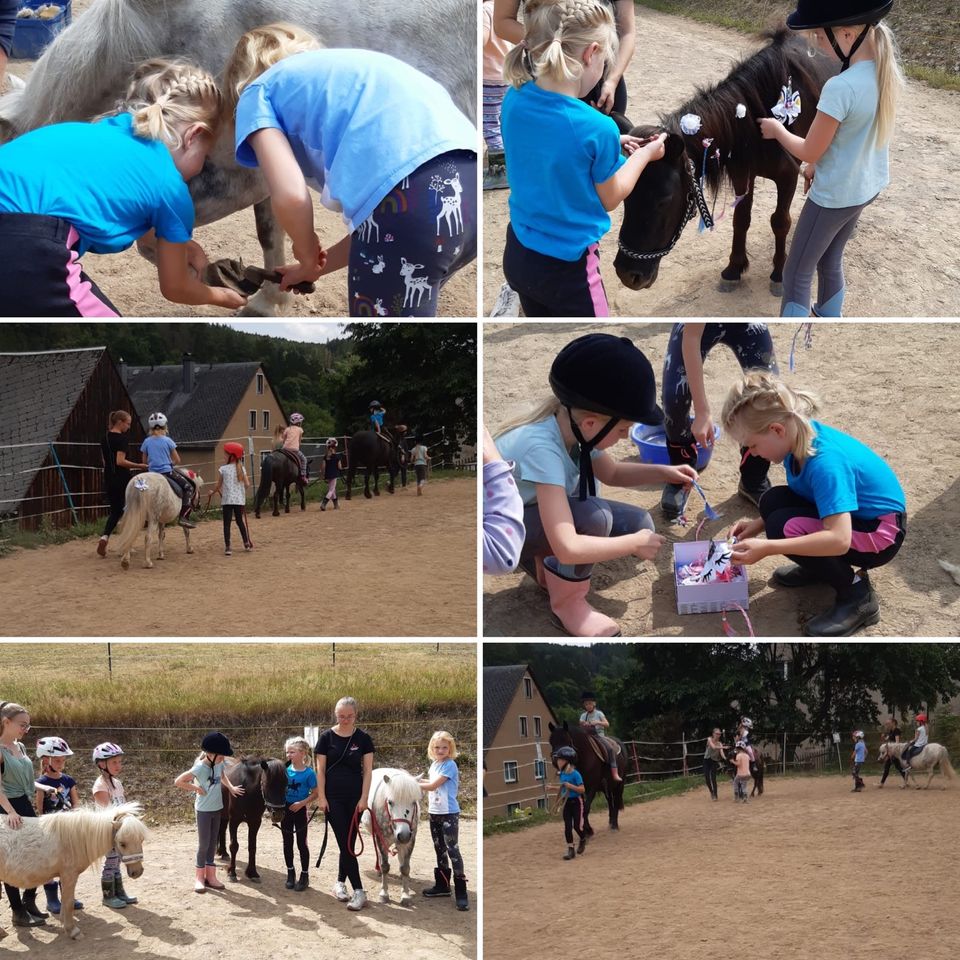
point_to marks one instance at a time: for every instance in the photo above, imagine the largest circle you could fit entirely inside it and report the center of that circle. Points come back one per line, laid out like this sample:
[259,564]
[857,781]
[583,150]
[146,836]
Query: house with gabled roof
[55,405]
[516,742]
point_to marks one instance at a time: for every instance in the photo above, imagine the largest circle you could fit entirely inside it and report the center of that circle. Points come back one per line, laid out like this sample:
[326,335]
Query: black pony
[595,772]
[366,451]
[668,193]
[281,471]
[756,768]
[265,788]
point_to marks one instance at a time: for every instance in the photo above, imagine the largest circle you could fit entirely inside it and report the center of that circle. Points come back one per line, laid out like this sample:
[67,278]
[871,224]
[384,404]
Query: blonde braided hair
[557,31]
[760,399]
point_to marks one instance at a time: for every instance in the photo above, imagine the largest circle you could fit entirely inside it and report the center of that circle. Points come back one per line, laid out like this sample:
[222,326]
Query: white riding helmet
[741,744]
[53,747]
[156,420]
[104,751]
[857,734]
[296,418]
[746,722]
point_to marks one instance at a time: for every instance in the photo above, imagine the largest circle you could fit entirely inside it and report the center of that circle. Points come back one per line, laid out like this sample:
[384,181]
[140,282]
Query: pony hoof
[255,878]
[125,563]
[728,286]
[384,898]
[76,934]
[232,877]
[776,288]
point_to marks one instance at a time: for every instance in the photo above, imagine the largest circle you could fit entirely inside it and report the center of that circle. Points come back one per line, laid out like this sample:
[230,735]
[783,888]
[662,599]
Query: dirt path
[893,386]
[902,262]
[265,920]
[131,282]
[803,873]
[364,570]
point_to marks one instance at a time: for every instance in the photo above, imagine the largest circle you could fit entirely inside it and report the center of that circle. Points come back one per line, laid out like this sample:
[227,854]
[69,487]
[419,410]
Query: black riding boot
[460,891]
[582,845]
[291,878]
[336,503]
[674,498]
[441,885]
[303,882]
[860,608]
[753,477]
[30,905]
[570,854]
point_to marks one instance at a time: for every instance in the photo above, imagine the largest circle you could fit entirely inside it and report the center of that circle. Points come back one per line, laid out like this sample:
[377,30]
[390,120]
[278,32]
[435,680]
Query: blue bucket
[652,445]
[32,36]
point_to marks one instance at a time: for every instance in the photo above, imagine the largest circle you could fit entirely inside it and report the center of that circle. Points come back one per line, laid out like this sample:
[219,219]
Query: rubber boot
[120,892]
[110,899]
[860,608]
[323,504]
[210,878]
[291,878]
[30,905]
[460,892]
[832,307]
[336,503]
[794,309]
[572,613]
[23,919]
[570,854]
[303,882]
[441,884]
[52,890]
[200,880]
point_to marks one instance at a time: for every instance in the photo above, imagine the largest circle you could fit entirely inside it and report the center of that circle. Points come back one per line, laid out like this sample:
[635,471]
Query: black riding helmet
[607,375]
[216,743]
[811,14]
[565,753]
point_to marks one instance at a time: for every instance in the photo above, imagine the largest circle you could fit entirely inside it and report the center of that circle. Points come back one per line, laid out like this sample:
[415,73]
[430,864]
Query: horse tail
[266,478]
[947,767]
[134,516]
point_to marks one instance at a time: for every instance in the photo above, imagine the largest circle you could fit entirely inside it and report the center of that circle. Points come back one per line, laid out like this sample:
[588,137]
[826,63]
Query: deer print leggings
[422,233]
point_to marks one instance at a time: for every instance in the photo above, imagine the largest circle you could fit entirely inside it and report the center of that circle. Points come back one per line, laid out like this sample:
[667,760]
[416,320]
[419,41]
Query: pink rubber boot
[572,613]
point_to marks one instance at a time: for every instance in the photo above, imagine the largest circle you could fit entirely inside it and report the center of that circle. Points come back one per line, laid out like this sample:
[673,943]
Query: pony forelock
[402,788]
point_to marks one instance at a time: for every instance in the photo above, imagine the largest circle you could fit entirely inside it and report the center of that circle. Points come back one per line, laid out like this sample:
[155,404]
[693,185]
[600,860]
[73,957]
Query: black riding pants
[117,498]
[710,775]
[891,762]
[295,824]
[186,487]
[339,816]
[238,513]
[573,817]
[24,807]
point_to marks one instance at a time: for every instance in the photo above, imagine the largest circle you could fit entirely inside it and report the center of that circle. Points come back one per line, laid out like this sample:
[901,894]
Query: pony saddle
[244,280]
[597,747]
[291,455]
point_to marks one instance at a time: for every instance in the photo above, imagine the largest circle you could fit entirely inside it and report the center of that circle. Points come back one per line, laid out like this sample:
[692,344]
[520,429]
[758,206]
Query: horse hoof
[369,496]
[76,934]
[125,563]
[728,286]
[254,879]
[776,288]
[384,898]
[189,549]
[232,877]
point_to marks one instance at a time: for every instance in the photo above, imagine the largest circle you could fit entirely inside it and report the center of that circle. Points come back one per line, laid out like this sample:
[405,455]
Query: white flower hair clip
[690,124]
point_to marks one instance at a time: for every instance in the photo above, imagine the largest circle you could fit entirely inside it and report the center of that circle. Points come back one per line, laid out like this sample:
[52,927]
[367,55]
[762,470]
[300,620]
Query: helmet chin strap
[588,486]
[845,57]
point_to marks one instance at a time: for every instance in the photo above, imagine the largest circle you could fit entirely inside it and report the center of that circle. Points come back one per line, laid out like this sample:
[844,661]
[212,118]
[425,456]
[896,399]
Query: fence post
[783,765]
[109,660]
[546,798]
[683,738]
[63,480]
[636,762]
[253,463]
[334,653]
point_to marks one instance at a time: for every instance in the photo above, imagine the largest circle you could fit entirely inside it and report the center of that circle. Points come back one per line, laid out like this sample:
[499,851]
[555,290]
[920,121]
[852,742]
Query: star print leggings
[752,346]
[422,233]
[445,831]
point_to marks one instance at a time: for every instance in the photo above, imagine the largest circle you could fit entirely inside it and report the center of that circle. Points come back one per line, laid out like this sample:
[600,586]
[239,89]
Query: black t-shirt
[893,735]
[344,773]
[331,466]
[111,444]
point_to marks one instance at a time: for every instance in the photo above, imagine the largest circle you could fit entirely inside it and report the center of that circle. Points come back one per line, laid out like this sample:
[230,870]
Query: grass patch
[934,76]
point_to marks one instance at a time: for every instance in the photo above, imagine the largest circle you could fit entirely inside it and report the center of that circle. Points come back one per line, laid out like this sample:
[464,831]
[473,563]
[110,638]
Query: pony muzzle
[134,864]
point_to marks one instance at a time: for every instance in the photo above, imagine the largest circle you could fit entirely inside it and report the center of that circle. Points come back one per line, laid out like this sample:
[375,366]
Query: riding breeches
[208,832]
[295,824]
[574,814]
[445,831]
[117,498]
[710,775]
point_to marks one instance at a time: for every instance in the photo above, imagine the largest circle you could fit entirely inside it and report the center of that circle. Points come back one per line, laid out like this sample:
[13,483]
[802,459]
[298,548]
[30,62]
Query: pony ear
[565,727]
[674,147]
[550,726]
[265,765]
[386,778]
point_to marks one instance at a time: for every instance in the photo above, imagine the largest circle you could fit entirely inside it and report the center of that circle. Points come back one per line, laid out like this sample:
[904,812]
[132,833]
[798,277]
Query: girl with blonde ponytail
[842,512]
[72,187]
[846,148]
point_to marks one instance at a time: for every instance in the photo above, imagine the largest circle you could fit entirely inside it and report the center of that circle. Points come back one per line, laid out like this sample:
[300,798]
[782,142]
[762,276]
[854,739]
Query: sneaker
[228,552]
[248,546]
[508,302]
[340,892]
[189,524]
[358,901]
[102,547]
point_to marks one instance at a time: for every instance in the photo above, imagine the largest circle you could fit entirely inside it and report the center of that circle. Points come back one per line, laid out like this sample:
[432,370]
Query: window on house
[253,421]
[537,729]
[528,688]
[266,421]
[541,804]
[512,809]
[523,726]
[539,769]
[510,771]
[259,383]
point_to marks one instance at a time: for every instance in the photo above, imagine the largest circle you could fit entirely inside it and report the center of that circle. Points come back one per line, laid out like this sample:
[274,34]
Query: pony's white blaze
[64,844]
[926,761]
[394,802]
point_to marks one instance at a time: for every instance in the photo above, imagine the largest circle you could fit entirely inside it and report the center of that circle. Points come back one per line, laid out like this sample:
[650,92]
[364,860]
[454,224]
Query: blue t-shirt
[112,186]
[377,418]
[300,783]
[571,776]
[854,169]
[209,778]
[860,752]
[158,448]
[444,798]
[358,122]
[557,150]
[845,476]
[52,802]
[539,456]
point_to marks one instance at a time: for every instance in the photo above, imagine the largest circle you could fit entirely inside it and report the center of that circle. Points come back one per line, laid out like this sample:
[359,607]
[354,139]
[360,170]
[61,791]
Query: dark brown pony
[367,452]
[595,772]
[265,788]
[668,193]
[756,769]
[279,471]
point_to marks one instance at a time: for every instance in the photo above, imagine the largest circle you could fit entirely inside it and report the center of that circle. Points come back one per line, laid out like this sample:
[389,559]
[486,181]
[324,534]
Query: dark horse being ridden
[668,194]
[366,451]
[756,768]
[265,787]
[279,470]
[595,772]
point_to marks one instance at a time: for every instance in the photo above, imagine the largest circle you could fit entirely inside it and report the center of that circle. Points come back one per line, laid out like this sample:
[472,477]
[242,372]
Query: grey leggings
[818,242]
[208,830]
[445,831]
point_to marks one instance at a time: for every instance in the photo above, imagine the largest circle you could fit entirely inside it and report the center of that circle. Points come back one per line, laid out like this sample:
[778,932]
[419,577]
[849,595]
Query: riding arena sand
[892,386]
[398,565]
[808,871]
[249,921]
[900,263]
[130,281]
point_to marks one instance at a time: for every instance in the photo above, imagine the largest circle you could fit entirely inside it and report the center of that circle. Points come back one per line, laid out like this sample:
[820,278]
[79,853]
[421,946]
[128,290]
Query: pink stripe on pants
[598,295]
[80,290]
[862,541]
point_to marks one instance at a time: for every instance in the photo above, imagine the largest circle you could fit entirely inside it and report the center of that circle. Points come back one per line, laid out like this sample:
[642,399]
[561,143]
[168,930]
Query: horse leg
[234,847]
[587,803]
[384,895]
[269,301]
[404,857]
[68,887]
[222,837]
[253,828]
[351,470]
[161,540]
[366,484]
[780,223]
[147,562]
[303,495]
[286,498]
[376,481]
[276,499]
[737,266]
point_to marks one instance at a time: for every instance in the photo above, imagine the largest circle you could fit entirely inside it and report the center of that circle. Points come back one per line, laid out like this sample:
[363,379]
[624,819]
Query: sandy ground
[899,264]
[363,570]
[806,872]
[893,386]
[248,921]
[131,282]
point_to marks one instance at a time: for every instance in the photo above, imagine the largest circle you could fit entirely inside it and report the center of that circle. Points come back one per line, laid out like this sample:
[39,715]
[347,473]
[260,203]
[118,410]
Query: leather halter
[695,200]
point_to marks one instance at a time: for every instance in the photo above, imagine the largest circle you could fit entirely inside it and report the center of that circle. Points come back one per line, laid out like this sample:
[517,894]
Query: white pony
[394,802]
[64,844]
[924,762]
[150,503]
[86,70]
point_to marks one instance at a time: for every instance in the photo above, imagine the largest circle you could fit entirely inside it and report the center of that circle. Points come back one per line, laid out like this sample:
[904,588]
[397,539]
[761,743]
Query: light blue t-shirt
[845,476]
[358,123]
[571,776]
[112,186]
[300,783]
[860,752]
[444,798]
[376,418]
[854,169]
[557,150]
[209,778]
[158,448]
[539,456]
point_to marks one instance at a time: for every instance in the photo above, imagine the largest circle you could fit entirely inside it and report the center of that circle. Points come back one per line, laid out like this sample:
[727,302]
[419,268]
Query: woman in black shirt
[892,734]
[344,758]
[116,471]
